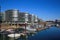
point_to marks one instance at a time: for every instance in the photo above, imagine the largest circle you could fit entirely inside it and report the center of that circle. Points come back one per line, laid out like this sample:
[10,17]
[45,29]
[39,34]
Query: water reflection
[52,33]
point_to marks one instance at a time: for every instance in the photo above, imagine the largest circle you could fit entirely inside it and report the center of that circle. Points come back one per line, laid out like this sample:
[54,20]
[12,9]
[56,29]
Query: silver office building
[11,15]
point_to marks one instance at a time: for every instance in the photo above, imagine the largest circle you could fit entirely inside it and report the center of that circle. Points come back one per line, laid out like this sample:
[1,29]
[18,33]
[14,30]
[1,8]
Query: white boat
[14,36]
[30,29]
[57,25]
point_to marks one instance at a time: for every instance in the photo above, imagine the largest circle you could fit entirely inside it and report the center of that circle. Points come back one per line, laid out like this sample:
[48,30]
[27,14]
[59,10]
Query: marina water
[52,33]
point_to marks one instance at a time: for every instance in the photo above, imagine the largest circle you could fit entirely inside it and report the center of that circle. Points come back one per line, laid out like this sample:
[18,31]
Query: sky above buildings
[44,9]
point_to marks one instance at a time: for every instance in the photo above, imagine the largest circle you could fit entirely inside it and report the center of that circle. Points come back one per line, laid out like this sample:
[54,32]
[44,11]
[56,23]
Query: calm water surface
[52,33]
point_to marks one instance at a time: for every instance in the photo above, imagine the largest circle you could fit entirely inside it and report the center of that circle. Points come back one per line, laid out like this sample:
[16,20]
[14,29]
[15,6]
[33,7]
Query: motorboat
[14,36]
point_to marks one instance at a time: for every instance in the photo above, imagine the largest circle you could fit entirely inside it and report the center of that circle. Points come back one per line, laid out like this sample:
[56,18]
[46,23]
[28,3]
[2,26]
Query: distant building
[50,23]
[57,22]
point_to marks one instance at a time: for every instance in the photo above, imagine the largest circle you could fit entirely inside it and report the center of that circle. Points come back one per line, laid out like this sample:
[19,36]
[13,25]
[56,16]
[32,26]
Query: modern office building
[11,16]
[14,16]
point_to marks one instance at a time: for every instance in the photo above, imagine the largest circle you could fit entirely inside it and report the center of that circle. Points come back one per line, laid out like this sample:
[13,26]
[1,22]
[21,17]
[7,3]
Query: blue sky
[44,9]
